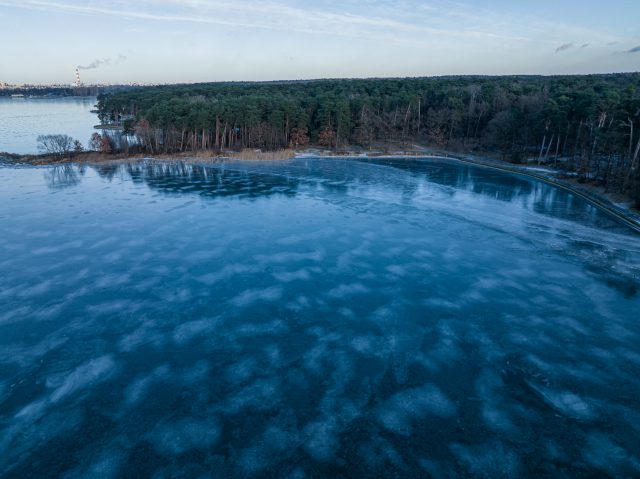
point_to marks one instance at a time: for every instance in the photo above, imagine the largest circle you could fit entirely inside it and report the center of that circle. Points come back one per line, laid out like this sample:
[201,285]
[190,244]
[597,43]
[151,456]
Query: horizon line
[283,80]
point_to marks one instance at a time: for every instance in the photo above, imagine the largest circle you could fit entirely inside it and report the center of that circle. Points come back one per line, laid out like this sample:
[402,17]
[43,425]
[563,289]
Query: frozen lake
[313,318]
[23,119]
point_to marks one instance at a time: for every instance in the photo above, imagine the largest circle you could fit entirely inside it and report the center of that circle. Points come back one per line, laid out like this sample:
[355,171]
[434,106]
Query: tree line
[589,124]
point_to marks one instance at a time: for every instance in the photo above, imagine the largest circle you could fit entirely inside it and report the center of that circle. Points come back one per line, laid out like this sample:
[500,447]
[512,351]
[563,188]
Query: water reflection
[458,176]
[208,181]
[108,171]
[532,194]
[266,178]
[180,179]
[63,176]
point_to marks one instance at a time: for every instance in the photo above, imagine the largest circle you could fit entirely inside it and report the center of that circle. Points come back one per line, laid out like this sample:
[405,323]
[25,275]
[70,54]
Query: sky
[181,41]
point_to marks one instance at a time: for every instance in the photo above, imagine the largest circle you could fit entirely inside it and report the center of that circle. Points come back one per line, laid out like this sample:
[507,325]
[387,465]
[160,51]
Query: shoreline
[621,210]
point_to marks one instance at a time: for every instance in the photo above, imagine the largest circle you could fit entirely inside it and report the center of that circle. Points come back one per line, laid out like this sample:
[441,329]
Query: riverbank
[88,157]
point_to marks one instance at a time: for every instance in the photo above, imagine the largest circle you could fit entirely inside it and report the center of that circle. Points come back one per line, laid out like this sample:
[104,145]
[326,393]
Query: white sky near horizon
[166,41]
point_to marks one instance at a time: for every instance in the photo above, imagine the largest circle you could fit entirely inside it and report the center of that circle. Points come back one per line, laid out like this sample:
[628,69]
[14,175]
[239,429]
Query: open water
[23,119]
[313,318]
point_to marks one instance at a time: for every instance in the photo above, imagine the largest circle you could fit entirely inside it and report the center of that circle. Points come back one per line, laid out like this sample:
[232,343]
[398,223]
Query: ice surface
[288,276]
[605,455]
[406,409]
[85,376]
[322,440]
[489,460]
[263,394]
[568,403]
[251,296]
[314,318]
[188,331]
[345,290]
[105,464]
[175,437]
[138,390]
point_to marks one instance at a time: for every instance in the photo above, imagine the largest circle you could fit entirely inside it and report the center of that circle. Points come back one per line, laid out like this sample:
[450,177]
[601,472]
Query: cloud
[102,62]
[634,50]
[280,16]
[564,47]
[445,30]
[584,45]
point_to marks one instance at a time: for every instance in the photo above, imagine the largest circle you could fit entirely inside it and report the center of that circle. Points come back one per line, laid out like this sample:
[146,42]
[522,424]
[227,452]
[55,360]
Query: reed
[258,155]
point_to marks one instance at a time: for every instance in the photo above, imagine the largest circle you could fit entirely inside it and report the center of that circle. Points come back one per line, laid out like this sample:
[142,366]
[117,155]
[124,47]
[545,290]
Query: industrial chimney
[77,78]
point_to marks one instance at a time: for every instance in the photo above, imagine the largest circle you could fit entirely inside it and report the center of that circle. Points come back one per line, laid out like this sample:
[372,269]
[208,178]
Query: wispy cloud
[396,20]
[634,50]
[326,37]
[267,15]
[564,47]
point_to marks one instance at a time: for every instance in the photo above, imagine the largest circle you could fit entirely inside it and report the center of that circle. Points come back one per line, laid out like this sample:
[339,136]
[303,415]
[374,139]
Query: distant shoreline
[48,97]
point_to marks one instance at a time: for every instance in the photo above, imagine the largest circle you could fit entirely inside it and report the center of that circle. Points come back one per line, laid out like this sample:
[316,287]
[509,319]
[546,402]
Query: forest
[587,125]
[37,91]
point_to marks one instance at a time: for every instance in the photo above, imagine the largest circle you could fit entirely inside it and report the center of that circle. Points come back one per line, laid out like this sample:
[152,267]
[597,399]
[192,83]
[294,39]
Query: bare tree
[95,142]
[59,145]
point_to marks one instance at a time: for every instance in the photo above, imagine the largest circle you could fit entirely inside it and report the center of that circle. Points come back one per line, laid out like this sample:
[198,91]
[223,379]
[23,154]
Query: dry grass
[258,155]
[185,155]
[206,155]
[83,157]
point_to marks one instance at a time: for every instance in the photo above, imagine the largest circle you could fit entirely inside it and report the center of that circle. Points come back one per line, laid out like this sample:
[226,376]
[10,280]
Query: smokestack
[77,78]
